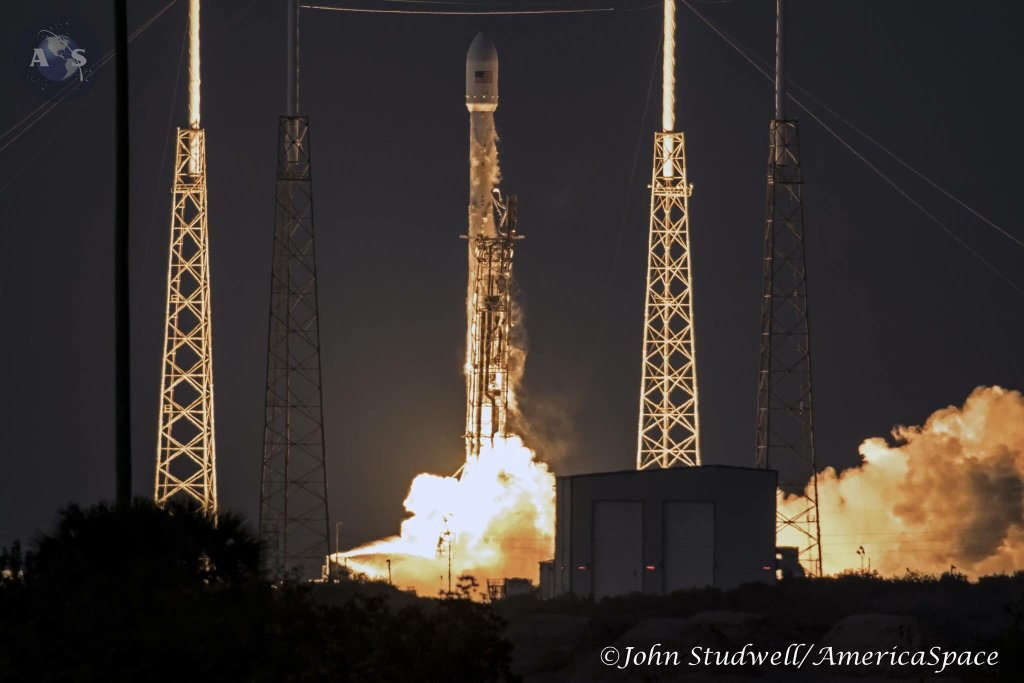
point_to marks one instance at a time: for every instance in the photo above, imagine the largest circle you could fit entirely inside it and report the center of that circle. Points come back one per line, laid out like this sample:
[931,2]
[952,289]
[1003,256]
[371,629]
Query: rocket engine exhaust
[944,496]
[495,517]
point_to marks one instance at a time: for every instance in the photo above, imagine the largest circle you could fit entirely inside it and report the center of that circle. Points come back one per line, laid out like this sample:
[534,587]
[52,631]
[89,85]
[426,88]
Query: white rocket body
[481,75]
[481,101]
[484,174]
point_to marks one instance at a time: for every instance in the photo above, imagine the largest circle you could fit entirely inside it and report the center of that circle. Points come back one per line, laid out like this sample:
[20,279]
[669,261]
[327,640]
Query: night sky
[904,321]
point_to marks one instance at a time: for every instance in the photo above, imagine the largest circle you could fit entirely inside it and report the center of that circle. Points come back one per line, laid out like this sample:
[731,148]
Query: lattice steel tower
[186,465]
[669,429]
[785,422]
[294,523]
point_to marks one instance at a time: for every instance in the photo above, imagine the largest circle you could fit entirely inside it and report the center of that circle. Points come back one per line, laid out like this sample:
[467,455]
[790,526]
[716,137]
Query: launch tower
[186,465]
[669,433]
[785,422]
[293,523]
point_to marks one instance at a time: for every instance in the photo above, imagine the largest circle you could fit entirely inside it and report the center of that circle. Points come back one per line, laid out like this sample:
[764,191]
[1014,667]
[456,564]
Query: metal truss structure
[669,429]
[785,422]
[293,523]
[487,403]
[186,453]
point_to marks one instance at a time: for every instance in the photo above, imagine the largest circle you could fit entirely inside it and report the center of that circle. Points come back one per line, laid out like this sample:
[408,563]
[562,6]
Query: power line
[910,168]
[764,64]
[364,10]
[47,107]
[861,157]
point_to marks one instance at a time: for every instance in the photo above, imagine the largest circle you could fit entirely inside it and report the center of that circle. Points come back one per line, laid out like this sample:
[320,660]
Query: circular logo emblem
[58,58]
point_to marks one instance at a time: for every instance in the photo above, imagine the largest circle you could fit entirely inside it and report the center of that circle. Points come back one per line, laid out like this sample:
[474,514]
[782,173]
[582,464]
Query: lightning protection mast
[669,429]
[186,465]
[293,522]
[785,419]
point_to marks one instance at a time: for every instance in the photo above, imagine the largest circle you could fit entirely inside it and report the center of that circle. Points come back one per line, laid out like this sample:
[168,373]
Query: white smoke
[948,494]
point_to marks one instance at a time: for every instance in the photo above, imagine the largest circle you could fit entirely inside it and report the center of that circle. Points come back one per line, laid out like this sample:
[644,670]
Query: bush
[142,593]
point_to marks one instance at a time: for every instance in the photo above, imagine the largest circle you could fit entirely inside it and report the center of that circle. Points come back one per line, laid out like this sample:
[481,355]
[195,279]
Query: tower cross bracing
[669,427]
[186,451]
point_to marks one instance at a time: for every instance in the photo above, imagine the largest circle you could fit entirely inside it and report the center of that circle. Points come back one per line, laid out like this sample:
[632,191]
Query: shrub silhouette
[142,593]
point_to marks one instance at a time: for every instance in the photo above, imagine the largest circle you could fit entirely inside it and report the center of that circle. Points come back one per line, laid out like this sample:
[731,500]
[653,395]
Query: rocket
[489,285]
[481,101]
[481,75]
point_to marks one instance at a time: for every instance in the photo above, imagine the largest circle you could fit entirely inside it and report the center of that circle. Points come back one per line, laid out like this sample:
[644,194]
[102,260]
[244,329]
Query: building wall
[732,508]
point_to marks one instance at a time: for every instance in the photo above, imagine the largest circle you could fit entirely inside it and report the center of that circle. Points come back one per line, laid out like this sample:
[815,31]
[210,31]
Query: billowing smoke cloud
[494,521]
[950,493]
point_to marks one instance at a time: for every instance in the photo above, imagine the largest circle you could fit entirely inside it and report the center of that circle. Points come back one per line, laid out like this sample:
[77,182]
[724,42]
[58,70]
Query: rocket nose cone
[481,50]
[481,75]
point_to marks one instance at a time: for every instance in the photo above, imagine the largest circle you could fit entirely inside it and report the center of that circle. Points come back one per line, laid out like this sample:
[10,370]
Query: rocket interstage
[488,392]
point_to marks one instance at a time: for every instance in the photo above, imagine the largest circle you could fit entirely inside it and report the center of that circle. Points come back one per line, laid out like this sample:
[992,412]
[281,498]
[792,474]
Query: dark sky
[904,321]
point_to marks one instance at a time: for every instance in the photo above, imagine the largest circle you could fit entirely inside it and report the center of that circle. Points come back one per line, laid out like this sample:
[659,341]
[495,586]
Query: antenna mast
[785,419]
[294,523]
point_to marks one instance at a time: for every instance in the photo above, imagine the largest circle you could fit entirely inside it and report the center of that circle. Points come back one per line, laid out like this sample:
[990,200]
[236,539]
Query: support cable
[47,107]
[998,273]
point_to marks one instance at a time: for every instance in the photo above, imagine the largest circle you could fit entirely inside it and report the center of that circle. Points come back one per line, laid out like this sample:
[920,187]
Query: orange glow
[498,516]
[950,493]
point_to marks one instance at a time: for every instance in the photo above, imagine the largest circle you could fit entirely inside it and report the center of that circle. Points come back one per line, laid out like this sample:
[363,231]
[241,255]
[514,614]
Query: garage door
[689,545]
[617,547]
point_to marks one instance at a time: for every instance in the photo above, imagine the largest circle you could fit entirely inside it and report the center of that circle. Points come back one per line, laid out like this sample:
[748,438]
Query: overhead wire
[733,44]
[910,168]
[22,126]
[898,159]
[365,10]
[629,193]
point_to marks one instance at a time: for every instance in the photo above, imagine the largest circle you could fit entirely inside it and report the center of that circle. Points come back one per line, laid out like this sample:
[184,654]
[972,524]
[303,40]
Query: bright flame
[497,520]
[950,493]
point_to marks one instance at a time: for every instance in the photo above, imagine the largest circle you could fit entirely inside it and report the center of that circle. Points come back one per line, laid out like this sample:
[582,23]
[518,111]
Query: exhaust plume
[946,494]
[495,520]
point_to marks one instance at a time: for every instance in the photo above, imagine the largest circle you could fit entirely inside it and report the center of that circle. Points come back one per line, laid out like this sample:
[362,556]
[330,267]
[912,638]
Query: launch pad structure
[668,434]
[294,525]
[186,465]
[785,416]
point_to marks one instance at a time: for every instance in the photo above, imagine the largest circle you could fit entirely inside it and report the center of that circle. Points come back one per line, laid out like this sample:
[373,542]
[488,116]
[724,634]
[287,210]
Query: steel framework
[785,422]
[669,429]
[487,403]
[186,453]
[294,523]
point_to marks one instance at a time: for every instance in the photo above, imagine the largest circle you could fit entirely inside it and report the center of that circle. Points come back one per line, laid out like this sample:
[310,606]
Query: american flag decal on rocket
[484,76]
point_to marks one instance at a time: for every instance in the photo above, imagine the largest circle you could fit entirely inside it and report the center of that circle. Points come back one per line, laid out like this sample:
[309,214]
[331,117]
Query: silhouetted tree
[142,593]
